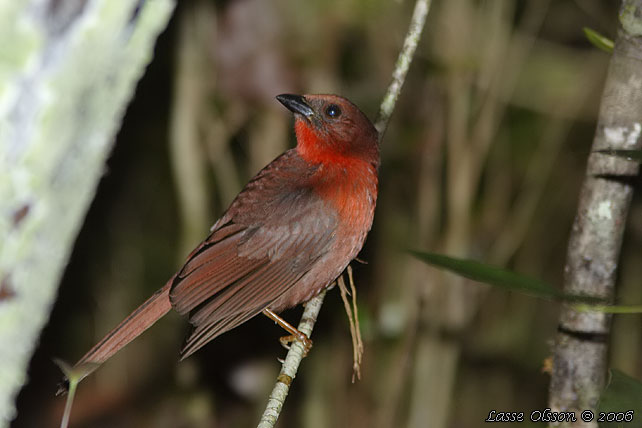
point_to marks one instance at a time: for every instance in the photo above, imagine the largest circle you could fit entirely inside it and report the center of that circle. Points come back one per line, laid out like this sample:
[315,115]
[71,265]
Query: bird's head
[329,128]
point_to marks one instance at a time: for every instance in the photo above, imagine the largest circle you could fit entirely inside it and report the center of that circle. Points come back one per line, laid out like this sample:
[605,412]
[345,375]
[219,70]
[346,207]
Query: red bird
[288,235]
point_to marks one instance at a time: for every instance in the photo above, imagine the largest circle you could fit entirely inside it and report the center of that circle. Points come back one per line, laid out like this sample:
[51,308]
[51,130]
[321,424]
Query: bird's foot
[295,334]
[286,341]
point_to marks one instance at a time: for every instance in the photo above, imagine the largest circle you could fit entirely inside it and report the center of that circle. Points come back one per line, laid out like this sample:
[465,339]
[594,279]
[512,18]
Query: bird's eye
[333,111]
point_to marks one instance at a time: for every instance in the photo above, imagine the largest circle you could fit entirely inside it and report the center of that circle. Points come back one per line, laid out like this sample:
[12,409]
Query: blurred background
[483,159]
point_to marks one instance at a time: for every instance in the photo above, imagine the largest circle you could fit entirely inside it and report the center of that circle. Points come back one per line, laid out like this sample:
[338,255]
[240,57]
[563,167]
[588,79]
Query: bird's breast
[349,193]
[350,188]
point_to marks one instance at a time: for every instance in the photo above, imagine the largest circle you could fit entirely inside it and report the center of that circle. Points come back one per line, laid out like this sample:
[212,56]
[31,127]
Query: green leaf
[622,394]
[608,309]
[499,277]
[598,40]
[635,155]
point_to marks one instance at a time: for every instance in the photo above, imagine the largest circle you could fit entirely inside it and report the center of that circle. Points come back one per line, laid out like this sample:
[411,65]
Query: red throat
[349,183]
[311,147]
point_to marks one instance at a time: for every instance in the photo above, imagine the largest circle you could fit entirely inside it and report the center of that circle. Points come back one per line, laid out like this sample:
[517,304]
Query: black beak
[296,104]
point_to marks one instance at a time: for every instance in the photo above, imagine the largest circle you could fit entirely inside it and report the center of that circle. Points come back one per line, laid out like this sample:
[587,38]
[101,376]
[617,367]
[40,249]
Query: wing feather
[240,303]
[248,296]
[263,245]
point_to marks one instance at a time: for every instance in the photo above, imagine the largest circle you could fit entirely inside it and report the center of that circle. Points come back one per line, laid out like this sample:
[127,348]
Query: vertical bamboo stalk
[581,345]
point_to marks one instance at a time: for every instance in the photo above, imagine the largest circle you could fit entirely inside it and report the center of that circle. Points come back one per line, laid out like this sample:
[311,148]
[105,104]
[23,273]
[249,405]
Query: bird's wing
[269,238]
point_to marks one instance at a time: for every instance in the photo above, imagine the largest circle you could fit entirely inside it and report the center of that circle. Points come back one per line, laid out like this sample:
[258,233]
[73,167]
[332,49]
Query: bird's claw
[305,341]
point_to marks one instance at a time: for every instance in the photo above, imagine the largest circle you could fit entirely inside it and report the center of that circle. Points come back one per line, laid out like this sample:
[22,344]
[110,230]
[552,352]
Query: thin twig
[355,312]
[403,64]
[295,354]
[74,375]
[353,320]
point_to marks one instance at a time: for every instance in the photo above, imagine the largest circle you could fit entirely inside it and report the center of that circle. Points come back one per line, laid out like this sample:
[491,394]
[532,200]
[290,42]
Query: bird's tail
[131,327]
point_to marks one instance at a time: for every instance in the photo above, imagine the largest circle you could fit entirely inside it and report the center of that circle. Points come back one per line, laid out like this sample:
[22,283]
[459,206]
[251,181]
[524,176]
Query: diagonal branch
[291,364]
[415,29]
[313,307]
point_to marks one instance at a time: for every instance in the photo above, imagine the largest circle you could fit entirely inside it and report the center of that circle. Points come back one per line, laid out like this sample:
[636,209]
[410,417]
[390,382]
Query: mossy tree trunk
[67,71]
